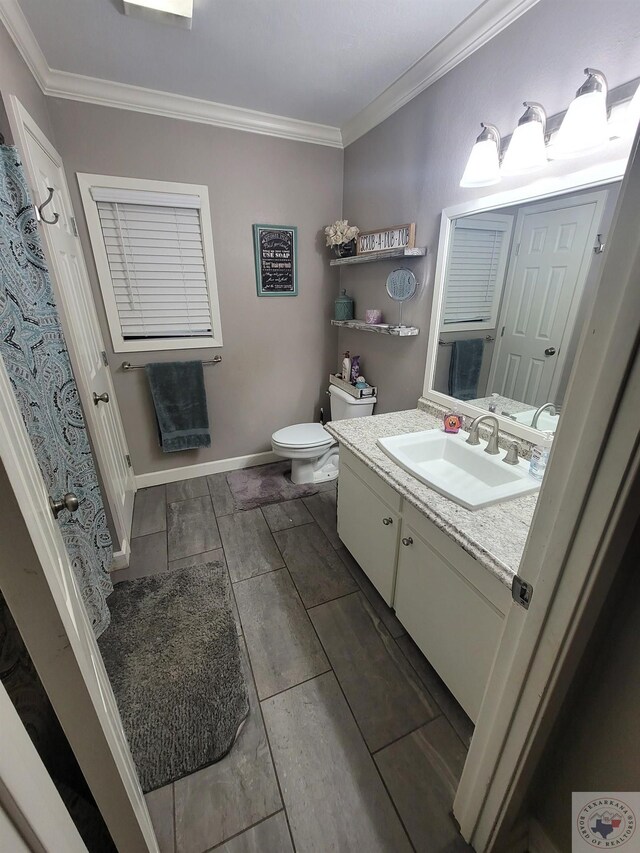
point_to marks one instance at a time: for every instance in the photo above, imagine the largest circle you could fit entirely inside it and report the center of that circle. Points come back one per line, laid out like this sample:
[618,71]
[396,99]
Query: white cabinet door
[456,628]
[369,529]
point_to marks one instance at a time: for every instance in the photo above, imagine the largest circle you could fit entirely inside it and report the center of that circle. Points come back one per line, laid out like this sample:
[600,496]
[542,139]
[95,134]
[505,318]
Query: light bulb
[527,150]
[584,127]
[483,165]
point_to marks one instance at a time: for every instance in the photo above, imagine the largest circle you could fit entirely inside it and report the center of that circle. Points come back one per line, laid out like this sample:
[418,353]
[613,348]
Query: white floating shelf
[378,328]
[386,255]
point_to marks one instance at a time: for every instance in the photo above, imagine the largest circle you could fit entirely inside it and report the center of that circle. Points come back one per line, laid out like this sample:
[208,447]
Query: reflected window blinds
[475,274]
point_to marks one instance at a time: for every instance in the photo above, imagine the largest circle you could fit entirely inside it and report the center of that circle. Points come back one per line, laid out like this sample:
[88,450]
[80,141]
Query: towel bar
[442,343]
[126,365]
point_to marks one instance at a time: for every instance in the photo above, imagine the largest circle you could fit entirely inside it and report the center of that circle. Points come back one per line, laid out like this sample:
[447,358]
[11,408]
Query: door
[542,293]
[40,588]
[44,169]
[369,529]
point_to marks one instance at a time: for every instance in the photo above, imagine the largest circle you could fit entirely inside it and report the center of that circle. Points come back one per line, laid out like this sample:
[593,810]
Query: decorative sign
[275,248]
[383,240]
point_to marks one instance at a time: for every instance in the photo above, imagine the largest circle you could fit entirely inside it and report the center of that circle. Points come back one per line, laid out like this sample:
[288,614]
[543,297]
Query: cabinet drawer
[370,530]
[455,627]
[382,489]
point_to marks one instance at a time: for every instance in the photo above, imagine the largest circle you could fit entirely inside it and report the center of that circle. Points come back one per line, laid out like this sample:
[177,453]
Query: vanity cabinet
[450,605]
[369,527]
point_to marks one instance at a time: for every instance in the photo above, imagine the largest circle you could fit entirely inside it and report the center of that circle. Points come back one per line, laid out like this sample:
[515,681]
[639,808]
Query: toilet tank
[344,406]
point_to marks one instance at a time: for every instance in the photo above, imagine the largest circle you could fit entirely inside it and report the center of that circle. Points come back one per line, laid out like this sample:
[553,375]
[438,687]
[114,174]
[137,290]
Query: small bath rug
[266,484]
[173,658]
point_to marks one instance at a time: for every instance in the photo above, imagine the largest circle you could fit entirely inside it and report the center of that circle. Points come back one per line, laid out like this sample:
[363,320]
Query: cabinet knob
[387,521]
[407,540]
[100,398]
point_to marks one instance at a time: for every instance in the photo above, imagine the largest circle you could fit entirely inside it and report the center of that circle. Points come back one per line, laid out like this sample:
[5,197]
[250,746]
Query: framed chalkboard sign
[275,248]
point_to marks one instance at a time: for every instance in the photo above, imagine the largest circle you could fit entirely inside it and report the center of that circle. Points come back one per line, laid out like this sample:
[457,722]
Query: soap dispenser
[344,307]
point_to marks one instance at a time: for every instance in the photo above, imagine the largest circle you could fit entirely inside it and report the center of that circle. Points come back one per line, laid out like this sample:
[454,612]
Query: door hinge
[521,592]
[128,458]
[502,331]
[74,226]
[105,360]
[518,249]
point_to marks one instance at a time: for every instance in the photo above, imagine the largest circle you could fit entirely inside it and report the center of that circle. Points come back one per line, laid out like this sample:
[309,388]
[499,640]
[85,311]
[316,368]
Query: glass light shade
[584,127]
[632,115]
[483,166]
[526,151]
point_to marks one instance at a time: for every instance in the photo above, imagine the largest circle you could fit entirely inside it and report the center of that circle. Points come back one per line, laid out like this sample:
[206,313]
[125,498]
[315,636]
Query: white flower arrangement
[341,232]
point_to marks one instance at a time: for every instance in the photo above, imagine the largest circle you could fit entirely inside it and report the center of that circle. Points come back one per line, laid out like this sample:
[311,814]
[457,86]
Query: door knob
[68,501]
[100,398]
[387,521]
[407,540]
[550,351]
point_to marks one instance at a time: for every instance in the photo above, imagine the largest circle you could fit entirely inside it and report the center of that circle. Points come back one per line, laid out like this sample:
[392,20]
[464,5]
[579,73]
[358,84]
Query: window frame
[86,183]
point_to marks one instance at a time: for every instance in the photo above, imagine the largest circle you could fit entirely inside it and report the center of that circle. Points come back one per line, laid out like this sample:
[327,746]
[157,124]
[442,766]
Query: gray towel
[464,370]
[177,388]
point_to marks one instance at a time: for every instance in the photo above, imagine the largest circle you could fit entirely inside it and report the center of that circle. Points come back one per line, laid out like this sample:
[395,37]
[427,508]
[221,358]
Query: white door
[542,293]
[44,169]
[39,586]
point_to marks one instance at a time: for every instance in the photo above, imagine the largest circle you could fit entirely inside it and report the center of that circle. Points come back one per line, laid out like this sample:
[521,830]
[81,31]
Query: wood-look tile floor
[353,743]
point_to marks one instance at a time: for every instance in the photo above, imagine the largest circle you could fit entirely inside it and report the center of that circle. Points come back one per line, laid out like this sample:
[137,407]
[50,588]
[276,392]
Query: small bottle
[346,367]
[539,459]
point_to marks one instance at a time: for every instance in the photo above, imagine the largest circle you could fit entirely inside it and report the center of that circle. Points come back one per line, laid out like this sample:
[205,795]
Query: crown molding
[92,90]
[107,93]
[475,31]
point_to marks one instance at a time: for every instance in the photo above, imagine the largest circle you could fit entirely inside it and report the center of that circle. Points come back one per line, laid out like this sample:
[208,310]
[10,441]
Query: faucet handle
[512,457]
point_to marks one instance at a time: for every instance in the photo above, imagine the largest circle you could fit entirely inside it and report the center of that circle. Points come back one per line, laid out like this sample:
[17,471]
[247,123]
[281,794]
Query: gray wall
[408,168]
[16,79]
[277,351]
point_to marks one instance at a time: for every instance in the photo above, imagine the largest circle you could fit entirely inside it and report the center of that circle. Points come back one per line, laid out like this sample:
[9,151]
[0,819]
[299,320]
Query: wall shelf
[386,255]
[379,328]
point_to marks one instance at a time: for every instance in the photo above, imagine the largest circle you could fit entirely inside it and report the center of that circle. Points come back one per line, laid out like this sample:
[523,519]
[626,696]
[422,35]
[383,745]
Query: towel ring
[47,201]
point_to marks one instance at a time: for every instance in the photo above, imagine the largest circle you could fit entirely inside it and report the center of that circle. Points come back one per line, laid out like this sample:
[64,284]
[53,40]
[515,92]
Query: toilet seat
[303,436]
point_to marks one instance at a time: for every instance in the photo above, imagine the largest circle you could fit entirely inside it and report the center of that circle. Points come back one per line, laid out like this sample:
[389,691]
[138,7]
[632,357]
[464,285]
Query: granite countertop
[495,536]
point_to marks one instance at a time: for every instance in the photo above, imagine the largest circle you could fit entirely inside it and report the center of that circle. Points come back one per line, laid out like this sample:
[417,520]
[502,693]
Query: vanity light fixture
[483,165]
[584,127]
[527,150]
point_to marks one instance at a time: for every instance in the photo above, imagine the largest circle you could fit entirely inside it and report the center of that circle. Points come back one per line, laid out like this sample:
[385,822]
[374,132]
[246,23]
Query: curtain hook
[47,201]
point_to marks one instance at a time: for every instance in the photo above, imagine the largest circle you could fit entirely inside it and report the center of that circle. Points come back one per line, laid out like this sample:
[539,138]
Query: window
[153,249]
[475,272]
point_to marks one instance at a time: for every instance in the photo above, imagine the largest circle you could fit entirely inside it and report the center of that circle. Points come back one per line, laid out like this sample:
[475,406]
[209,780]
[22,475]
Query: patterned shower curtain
[34,352]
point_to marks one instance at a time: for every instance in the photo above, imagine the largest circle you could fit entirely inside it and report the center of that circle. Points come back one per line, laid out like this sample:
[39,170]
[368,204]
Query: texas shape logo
[606,823]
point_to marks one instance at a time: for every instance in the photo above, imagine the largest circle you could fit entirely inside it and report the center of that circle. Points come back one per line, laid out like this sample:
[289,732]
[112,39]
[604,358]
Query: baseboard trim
[121,558]
[187,472]
[539,841]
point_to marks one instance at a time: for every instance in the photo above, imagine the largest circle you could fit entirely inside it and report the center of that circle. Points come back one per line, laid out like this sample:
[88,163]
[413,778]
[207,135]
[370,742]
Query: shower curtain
[34,352]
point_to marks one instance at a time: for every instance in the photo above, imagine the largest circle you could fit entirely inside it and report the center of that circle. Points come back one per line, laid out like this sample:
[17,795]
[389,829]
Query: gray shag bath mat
[173,658]
[265,484]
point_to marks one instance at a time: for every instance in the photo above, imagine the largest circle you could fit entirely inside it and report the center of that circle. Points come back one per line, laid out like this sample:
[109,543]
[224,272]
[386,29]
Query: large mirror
[512,293]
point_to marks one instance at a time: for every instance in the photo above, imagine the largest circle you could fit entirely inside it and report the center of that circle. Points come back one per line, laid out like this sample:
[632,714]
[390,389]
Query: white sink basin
[459,471]
[545,421]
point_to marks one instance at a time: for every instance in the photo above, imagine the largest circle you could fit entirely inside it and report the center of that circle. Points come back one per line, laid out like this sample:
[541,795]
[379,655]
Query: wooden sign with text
[384,239]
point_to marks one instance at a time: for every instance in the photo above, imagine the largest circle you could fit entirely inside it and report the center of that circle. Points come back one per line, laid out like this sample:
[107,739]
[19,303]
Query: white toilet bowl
[312,451]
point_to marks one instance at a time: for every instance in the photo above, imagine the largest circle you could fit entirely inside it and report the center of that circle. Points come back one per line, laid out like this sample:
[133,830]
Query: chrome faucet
[492,444]
[552,412]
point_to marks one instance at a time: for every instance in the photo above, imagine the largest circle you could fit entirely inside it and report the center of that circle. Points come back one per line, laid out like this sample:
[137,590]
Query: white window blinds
[155,252]
[475,274]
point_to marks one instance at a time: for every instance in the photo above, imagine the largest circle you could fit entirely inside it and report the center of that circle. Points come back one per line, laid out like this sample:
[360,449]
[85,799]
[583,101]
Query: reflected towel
[180,401]
[464,369]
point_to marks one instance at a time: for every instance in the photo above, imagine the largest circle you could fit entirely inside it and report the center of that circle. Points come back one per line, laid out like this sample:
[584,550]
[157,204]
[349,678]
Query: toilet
[312,451]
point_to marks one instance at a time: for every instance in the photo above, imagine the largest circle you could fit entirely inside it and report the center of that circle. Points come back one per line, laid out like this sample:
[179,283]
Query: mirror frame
[595,176]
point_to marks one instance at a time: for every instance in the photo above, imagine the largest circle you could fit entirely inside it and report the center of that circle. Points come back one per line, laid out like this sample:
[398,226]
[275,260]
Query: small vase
[345,250]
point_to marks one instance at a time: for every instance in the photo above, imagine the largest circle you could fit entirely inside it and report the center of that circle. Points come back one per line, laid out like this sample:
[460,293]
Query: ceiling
[320,61]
